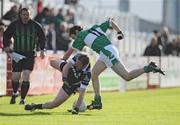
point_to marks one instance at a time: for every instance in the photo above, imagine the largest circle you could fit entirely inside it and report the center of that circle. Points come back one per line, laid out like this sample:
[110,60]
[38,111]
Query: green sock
[97,98]
[147,69]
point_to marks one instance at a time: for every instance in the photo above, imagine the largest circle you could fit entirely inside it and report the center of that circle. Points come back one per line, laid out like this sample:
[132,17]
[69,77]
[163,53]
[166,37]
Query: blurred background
[140,21]
[151,28]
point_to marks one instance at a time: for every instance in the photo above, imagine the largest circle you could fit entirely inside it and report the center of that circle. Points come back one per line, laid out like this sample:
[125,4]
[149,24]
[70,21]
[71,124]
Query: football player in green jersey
[96,39]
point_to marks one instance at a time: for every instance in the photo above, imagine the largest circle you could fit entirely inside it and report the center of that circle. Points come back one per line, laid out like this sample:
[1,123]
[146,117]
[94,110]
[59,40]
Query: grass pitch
[146,107]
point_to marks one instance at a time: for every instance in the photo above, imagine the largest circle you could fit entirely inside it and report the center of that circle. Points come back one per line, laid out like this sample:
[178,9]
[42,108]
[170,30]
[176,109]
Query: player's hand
[42,54]
[120,35]
[7,49]
[74,111]
[63,59]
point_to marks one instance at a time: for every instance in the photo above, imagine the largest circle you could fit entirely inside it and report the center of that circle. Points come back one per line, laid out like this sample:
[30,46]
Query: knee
[26,77]
[127,77]
[16,77]
[94,74]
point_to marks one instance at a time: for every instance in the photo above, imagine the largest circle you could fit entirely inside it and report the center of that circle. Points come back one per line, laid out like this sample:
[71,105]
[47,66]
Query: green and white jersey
[95,37]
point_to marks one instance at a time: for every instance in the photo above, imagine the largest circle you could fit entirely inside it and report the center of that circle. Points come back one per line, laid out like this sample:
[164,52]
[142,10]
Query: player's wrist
[120,35]
[76,109]
[119,32]
[64,59]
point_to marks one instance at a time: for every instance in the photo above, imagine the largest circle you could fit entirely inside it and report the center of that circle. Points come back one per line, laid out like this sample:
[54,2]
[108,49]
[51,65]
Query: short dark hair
[84,59]
[24,9]
[75,28]
[155,31]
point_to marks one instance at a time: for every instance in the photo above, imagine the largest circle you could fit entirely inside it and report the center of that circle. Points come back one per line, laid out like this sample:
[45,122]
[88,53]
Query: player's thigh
[56,63]
[61,97]
[120,69]
[98,68]
[16,76]
[26,75]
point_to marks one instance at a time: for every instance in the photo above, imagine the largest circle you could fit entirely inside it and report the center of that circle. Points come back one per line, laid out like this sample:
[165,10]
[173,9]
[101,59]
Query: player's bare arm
[66,69]
[81,97]
[68,53]
[120,35]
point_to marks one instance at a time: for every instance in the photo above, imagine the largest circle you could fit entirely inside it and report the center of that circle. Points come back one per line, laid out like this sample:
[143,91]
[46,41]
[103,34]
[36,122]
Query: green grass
[147,107]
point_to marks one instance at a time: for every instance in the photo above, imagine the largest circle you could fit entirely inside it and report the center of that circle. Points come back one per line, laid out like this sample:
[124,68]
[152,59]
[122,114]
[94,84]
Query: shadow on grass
[45,113]
[70,114]
[24,114]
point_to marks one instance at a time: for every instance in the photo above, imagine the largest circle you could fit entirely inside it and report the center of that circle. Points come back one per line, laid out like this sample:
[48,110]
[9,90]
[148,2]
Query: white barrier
[44,79]
[172,67]
[3,75]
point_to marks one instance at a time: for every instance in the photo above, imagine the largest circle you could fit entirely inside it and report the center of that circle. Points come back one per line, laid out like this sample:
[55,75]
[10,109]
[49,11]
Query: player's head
[82,62]
[73,31]
[25,15]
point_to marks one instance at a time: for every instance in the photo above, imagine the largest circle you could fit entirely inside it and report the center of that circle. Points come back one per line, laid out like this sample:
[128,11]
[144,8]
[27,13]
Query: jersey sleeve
[78,44]
[41,35]
[105,25]
[86,77]
[9,33]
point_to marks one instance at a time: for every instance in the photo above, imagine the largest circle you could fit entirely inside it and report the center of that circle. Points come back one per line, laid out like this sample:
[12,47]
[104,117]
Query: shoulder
[15,22]
[35,23]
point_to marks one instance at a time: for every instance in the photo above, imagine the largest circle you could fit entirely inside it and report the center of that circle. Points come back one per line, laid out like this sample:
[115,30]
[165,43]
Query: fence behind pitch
[3,67]
[44,79]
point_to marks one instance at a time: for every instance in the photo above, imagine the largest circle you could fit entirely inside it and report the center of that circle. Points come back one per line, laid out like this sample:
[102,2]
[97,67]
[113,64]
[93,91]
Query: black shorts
[70,90]
[24,64]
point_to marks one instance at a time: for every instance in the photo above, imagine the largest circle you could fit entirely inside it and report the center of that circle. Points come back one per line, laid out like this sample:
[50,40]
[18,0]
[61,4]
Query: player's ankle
[38,106]
[97,98]
[147,69]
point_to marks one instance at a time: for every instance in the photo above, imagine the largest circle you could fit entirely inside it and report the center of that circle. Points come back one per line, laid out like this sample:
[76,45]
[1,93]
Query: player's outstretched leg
[32,107]
[152,67]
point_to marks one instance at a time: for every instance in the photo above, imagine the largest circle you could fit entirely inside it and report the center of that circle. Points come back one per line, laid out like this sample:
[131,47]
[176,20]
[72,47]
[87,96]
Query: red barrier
[43,80]
[9,76]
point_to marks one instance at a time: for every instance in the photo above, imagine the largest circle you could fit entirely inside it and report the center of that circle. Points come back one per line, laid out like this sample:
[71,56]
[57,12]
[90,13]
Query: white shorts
[110,61]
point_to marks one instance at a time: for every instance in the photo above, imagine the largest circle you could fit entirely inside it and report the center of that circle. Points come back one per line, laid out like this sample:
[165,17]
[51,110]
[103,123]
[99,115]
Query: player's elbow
[52,63]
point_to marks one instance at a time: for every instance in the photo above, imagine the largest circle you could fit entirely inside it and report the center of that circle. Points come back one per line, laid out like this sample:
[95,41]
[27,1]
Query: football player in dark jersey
[75,75]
